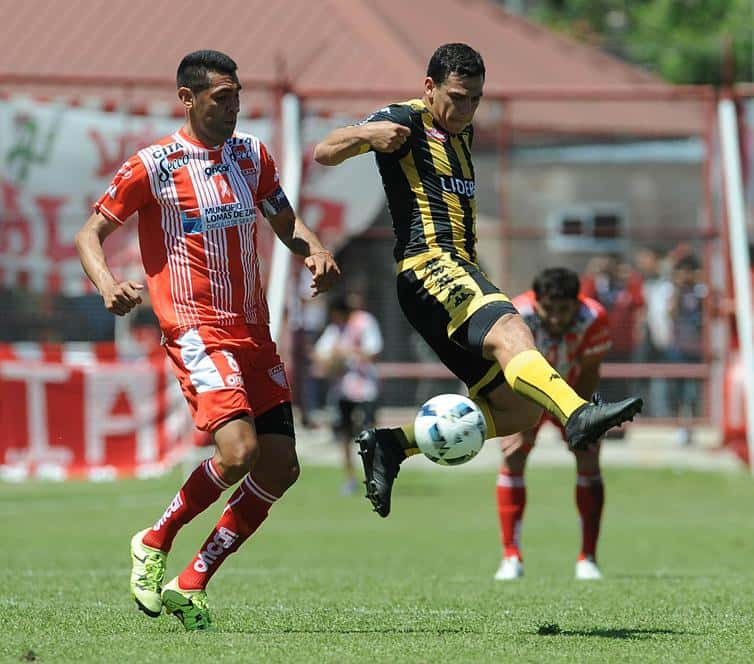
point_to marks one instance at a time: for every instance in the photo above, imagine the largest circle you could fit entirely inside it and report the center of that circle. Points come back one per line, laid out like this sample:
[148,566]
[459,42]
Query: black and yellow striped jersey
[430,186]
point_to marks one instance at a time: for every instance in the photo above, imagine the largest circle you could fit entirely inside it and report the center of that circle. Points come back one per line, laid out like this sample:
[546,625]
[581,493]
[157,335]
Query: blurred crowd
[656,303]
[655,300]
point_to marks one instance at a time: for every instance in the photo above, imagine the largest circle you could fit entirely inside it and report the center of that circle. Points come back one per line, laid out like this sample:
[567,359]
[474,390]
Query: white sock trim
[209,468]
[258,491]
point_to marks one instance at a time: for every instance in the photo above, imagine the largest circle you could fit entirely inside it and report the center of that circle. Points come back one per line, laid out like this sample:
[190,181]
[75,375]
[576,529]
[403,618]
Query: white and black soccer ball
[450,429]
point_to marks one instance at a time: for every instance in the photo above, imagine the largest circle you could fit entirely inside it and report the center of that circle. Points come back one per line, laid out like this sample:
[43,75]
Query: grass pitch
[326,580]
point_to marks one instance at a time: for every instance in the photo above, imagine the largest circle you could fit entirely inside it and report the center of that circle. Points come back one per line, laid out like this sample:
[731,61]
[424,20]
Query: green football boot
[147,575]
[189,606]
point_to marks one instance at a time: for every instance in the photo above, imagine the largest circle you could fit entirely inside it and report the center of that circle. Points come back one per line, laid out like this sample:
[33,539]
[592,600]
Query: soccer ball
[450,429]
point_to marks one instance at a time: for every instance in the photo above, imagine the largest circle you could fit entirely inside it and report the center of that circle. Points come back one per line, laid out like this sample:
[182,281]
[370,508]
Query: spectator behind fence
[617,287]
[655,332]
[346,352]
[687,318]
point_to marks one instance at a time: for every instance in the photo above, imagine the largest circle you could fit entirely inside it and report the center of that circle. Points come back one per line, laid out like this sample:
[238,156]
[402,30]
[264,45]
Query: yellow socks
[532,376]
[408,440]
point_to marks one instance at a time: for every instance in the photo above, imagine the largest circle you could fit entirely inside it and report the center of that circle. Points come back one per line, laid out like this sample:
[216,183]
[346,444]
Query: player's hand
[387,136]
[121,297]
[324,269]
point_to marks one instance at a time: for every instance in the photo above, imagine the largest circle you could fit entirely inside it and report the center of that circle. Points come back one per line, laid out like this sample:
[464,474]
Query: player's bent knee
[240,457]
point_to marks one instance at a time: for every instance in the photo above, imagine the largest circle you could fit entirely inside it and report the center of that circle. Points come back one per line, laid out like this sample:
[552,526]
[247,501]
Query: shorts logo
[234,380]
[278,375]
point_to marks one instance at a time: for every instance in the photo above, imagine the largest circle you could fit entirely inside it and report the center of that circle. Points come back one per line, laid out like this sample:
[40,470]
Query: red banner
[79,410]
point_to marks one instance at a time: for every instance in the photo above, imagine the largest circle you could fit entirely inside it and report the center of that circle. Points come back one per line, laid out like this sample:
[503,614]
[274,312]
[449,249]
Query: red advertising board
[79,410]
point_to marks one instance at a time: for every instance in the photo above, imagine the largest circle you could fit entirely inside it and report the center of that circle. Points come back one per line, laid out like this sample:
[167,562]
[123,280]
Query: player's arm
[302,241]
[347,142]
[119,297]
[291,230]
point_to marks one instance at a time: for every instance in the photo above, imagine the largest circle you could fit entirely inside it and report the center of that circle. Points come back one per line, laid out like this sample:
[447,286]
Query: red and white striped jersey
[587,336]
[198,225]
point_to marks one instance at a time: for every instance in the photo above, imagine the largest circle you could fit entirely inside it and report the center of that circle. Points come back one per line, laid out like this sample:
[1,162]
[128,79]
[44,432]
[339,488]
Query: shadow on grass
[626,633]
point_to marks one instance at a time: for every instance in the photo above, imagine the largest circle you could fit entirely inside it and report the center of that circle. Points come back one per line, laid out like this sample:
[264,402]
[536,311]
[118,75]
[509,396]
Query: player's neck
[199,137]
[435,119]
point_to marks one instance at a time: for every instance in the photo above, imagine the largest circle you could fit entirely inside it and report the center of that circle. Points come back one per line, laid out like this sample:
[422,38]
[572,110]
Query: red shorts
[229,371]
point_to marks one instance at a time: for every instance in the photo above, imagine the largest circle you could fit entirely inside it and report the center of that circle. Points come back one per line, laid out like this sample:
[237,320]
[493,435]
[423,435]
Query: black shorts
[452,304]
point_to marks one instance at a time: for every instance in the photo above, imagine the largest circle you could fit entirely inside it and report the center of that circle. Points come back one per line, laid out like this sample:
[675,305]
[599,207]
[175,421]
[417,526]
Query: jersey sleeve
[597,339]
[270,196]
[398,113]
[128,192]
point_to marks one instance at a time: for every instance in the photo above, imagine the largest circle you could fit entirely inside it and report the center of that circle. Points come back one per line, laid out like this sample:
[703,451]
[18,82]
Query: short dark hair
[688,262]
[455,58]
[557,283]
[193,72]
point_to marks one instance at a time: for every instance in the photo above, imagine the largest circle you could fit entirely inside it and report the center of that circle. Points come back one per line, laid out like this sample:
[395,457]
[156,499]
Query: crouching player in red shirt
[571,331]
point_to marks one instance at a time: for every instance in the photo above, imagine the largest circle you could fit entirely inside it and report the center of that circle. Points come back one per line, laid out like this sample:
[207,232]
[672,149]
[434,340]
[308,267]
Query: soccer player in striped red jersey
[197,193]
[572,332]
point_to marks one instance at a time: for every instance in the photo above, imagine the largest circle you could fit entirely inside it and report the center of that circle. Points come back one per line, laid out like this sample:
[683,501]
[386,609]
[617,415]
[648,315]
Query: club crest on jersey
[433,132]
[223,188]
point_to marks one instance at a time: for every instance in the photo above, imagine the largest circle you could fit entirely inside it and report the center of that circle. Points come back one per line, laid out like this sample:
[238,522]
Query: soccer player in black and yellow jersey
[423,149]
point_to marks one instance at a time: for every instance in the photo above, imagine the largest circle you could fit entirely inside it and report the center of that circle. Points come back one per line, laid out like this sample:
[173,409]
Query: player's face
[454,102]
[215,109]
[557,314]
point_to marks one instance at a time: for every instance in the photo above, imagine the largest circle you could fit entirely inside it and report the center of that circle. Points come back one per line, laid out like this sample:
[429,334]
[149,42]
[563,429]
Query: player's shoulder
[168,147]
[402,112]
[243,138]
[592,307]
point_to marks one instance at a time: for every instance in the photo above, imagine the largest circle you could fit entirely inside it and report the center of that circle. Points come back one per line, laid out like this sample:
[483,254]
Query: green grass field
[326,580]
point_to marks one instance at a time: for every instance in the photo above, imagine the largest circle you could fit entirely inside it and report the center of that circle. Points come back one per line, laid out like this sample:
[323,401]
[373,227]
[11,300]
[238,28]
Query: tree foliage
[683,41]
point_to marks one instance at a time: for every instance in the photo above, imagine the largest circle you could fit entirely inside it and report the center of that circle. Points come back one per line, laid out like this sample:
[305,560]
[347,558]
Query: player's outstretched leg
[382,452]
[147,575]
[588,423]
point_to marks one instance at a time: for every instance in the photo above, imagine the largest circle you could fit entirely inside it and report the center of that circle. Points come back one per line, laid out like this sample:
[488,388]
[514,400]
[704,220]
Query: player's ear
[429,87]
[186,97]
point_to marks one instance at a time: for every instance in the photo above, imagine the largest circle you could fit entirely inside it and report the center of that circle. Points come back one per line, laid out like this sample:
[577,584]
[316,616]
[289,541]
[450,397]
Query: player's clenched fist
[122,297]
[387,136]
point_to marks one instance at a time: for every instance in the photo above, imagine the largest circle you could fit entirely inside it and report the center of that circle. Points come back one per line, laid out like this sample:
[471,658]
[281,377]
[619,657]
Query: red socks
[511,501]
[243,514]
[201,489]
[590,497]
